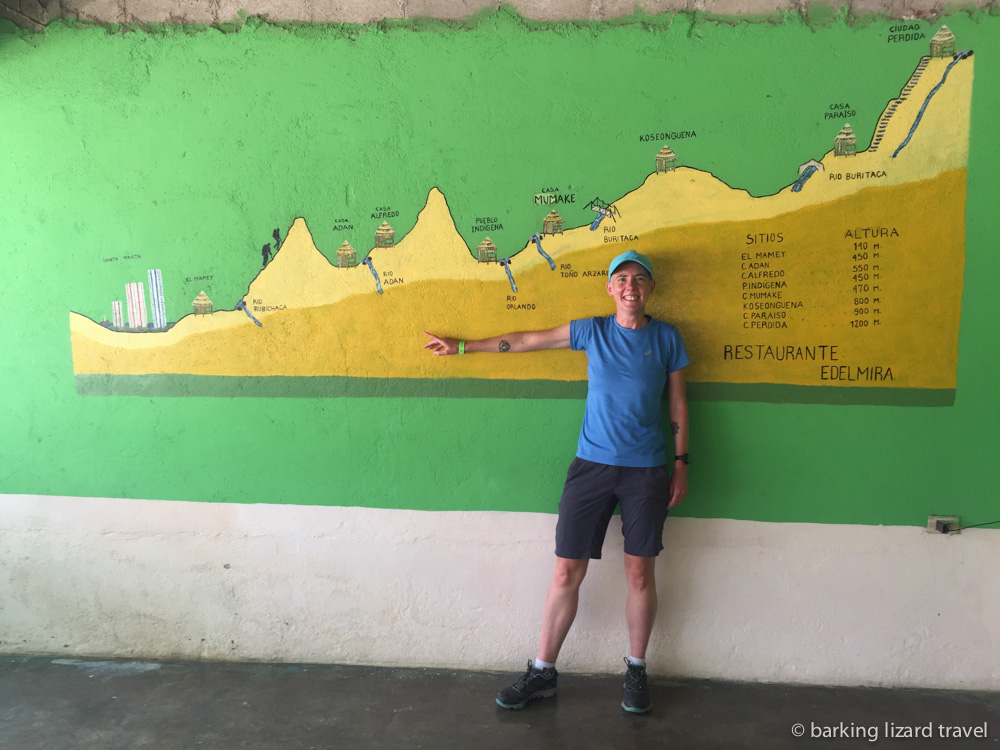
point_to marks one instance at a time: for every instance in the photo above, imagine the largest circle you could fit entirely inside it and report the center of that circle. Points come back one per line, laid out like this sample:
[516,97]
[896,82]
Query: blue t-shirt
[626,372]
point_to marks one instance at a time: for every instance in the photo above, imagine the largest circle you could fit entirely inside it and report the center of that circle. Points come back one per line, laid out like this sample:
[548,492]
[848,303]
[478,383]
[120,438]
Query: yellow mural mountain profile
[827,282]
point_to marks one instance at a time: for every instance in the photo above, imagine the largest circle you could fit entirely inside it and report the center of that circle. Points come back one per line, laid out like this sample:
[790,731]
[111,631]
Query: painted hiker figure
[620,460]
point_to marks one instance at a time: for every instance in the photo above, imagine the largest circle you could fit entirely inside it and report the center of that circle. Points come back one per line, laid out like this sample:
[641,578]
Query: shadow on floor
[64,704]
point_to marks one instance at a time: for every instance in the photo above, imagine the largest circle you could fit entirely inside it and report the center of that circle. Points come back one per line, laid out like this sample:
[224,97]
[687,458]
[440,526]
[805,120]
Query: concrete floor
[48,704]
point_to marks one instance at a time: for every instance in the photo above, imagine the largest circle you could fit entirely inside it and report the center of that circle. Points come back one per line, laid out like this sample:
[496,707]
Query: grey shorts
[590,495]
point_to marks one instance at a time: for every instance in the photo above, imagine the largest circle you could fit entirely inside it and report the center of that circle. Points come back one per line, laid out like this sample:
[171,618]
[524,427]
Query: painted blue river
[538,241]
[806,174]
[913,128]
[378,284]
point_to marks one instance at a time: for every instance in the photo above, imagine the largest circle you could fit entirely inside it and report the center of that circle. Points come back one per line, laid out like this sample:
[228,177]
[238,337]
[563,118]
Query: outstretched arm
[523,341]
[678,406]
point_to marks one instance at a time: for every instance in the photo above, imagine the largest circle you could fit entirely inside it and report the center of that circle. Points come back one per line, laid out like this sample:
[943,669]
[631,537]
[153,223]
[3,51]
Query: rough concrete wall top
[35,13]
[31,14]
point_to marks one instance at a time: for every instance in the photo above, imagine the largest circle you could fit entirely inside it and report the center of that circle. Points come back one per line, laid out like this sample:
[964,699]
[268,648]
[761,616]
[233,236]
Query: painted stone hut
[385,235]
[346,256]
[487,251]
[552,224]
[846,143]
[943,43]
[665,160]
[202,304]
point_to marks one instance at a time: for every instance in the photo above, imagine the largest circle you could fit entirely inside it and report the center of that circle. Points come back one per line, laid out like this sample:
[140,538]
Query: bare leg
[640,607]
[560,606]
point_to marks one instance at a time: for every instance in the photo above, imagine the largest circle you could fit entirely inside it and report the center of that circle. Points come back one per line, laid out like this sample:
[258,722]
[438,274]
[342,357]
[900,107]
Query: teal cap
[634,257]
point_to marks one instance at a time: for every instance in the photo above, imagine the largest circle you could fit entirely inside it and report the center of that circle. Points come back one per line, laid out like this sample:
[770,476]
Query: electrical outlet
[954,522]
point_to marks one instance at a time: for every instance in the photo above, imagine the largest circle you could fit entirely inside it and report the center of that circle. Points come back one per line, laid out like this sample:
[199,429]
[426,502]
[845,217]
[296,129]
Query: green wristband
[461,347]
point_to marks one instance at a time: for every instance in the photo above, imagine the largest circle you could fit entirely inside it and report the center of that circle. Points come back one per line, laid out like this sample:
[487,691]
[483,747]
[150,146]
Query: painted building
[117,319]
[846,143]
[202,304]
[136,304]
[665,160]
[156,301]
[943,43]
[347,257]
[385,235]
[487,251]
[552,223]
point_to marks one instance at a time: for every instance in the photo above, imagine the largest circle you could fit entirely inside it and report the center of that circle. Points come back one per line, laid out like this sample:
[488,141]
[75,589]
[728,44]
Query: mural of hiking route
[820,292]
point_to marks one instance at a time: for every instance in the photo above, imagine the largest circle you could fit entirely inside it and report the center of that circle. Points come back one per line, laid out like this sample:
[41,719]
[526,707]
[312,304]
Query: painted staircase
[883,122]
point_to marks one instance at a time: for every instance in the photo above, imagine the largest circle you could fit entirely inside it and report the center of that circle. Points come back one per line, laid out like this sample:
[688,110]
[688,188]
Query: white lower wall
[791,602]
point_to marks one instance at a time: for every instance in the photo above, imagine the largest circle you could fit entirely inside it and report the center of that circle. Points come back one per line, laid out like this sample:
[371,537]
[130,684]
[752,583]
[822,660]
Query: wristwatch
[683,457]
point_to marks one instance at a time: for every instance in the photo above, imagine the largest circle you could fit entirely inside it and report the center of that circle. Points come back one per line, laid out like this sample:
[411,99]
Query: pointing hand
[441,344]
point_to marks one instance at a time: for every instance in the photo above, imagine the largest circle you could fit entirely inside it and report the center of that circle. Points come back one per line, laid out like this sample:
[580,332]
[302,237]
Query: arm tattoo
[675,427]
[504,345]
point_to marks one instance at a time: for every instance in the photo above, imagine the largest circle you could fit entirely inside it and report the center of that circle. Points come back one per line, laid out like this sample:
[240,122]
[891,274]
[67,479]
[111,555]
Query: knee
[640,576]
[569,573]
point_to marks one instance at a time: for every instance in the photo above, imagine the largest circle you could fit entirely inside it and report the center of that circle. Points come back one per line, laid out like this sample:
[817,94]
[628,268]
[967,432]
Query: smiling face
[630,285]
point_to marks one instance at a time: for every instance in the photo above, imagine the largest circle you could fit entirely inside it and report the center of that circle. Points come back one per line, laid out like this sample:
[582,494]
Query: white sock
[636,662]
[539,664]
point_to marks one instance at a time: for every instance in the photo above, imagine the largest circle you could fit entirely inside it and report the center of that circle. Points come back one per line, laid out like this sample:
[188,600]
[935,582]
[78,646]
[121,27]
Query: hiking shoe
[636,696]
[535,683]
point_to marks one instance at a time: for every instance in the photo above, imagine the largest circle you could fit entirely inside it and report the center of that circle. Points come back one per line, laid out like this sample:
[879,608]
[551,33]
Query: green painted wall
[188,147]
